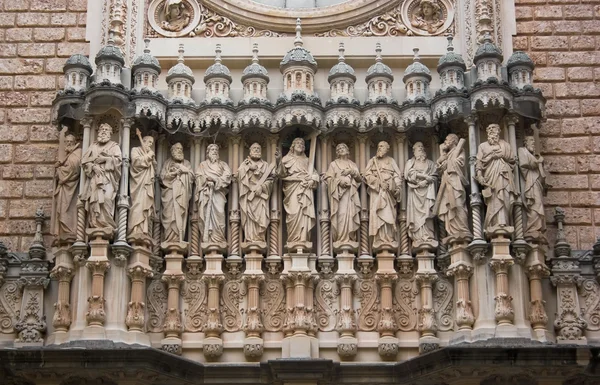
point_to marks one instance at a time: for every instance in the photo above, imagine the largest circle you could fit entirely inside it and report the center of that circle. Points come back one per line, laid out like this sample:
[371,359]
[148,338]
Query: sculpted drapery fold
[142,171]
[420,175]
[67,177]
[534,177]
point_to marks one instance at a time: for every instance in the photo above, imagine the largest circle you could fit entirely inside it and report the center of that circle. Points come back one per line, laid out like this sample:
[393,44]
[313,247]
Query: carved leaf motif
[590,293]
[405,307]
[231,297]
[195,300]
[443,292]
[272,296]
[327,304]
[157,305]
[10,301]
[368,314]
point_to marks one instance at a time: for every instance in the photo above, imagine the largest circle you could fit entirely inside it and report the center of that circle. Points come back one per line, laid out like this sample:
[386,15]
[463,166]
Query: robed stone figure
[142,171]
[452,197]
[298,201]
[343,181]
[102,166]
[494,170]
[420,175]
[213,177]
[534,187]
[67,179]
[385,190]
[255,178]
[176,181]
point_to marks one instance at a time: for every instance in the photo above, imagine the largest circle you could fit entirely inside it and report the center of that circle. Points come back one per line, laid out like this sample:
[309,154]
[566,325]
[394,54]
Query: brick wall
[36,37]
[563,39]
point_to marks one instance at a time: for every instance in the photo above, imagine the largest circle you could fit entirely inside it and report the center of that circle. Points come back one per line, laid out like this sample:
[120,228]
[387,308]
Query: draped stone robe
[212,200]
[175,198]
[254,198]
[452,197]
[102,184]
[141,191]
[298,200]
[383,202]
[533,191]
[498,181]
[67,178]
[344,201]
[420,199]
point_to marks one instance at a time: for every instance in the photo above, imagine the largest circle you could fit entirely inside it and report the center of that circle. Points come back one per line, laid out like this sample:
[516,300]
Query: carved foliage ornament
[211,18]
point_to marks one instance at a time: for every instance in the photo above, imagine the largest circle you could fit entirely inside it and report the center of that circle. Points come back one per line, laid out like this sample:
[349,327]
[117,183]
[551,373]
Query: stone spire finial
[37,249]
[218,53]
[450,47]
[561,247]
[342,50]
[416,54]
[298,41]
[378,57]
[181,51]
[484,20]
[111,38]
[255,53]
[147,45]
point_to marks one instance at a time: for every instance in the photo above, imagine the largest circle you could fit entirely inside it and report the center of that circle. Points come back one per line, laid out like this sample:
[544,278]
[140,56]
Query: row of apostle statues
[433,189]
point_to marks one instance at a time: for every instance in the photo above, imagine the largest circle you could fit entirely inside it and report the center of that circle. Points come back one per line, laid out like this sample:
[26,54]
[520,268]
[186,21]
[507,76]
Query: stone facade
[279,259]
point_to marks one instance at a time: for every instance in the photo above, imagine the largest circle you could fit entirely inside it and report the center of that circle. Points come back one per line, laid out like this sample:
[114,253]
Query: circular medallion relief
[427,17]
[174,18]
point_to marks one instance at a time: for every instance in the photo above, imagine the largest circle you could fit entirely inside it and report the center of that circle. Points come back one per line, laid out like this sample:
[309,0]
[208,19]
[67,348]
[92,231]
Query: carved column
[537,312]
[79,248]
[194,226]
[365,250]
[461,269]
[347,346]
[173,276]
[253,327]
[213,344]
[63,272]
[566,275]
[478,246]
[426,276]
[273,256]
[234,215]
[96,315]
[387,327]
[404,258]
[121,249]
[135,319]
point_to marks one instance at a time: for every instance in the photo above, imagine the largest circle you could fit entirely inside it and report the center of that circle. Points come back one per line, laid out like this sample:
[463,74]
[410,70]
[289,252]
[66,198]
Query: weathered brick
[548,74]
[548,12]
[48,5]
[63,19]
[42,98]
[551,127]
[26,208]
[521,43]
[17,171]
[37,49]
[580,73]
[55,65]
[29,115]
[565,145]
[82,20]
[47,133]
[12,134]
[3,208]
[590,107]
[76,34]
[35,153]
[16,5]
[19,34]
[558,198]
[78,5]
[561,108]
[579,11]
[566,27]
[578,215]
[568,182]
[580,126]
[49,34]
[590,26]
[43,172]
[18,99]
[6,82]
[35,82]
[6,153]
[524,13]
[595,182]
[535,27]
[589,89]
[11,189]
[587,236]
[68,49]
[32,19]
[20,226]
[7,19]
[582,42]
[544,43]
[39,188]
[8,50]
[21,66]
[559,163]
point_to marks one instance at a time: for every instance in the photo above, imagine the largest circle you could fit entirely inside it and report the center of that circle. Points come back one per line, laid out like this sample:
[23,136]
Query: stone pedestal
[138,271]
[347,346]
[537,270]
[426,276]
[213,278]
[98,264]
[500,263]
[173,277]
[300,346]
[386,276]
[253,327]
[461,269]
[63,272]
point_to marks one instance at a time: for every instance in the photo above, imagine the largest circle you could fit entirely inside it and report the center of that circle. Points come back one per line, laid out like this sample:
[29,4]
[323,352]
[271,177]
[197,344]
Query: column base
[300,346]
[58,338]
[253,347]
[483,333]
[461,336]
[428,344]
[347,348]
[138,337]
[388,347]
[542,335]
[171,345]
[94,333]
[507,331]
[213,348]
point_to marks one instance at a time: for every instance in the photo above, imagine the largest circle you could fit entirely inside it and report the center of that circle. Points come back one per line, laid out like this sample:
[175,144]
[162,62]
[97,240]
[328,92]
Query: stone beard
[534,186]
[452,197]
[420,175]
[102,166]
[494,169]
[212,181]
[343,181]
[67,179]
[141,190]
[385,190]
[255,183]
[298,199]
[176,181]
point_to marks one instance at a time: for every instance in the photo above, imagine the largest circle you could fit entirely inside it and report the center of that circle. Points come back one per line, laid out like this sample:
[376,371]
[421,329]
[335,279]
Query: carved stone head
[255,151]
[382,149]
[419,151]
[213,152]
[493,133]
[529,143]
[104,133]
[342,150]
[70,141]
[148,143]
[298,146]
[451,141]
[177,152]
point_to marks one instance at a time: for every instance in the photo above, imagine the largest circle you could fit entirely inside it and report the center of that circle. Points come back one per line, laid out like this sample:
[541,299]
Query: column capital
[511,119]
[471,119]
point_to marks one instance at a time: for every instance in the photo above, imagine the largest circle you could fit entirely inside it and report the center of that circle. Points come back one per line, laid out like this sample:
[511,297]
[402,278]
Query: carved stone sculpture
[343,182]
[176,182]
[428,16]
[213,177]
[67,179]
[420,175]
[451,199]
[143,165]
[494,169]
[176,14]
[384,180]
[255,178]
[102,166]
[534,187]
[298,200]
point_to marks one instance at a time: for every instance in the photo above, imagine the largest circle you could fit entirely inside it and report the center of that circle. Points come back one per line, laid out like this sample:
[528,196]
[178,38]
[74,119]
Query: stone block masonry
[563,39]
[36,37]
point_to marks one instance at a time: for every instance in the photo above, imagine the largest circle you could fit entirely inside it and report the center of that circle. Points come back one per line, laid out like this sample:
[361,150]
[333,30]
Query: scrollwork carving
[157,305]
[326,295]
[368,313]
[405,307]
[10,300]
[231,296]
[272,296]
[443,292]
[590,293]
